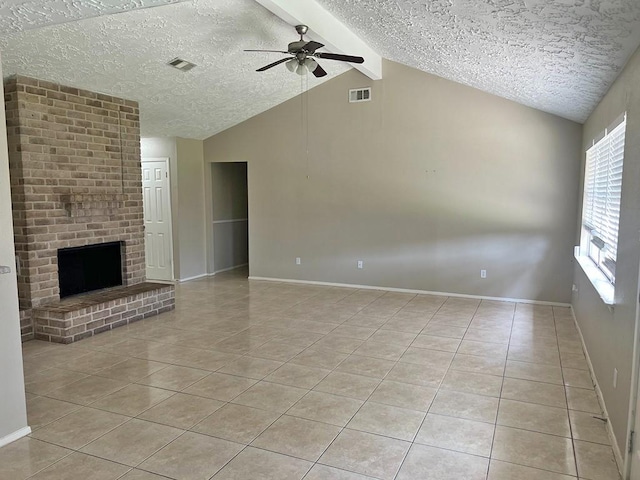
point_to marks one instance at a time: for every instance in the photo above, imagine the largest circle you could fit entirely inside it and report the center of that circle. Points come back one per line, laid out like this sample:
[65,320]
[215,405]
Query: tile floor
[260,380]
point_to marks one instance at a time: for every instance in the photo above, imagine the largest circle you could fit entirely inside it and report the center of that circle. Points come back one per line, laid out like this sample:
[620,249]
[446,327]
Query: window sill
[598,279]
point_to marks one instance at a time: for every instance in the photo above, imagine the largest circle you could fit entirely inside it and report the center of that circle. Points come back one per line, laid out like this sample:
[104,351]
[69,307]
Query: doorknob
[4,270]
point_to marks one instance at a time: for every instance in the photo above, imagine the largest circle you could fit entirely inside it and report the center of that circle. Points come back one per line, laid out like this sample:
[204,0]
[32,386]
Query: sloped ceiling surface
[126,55]
[560,56]
[19,15]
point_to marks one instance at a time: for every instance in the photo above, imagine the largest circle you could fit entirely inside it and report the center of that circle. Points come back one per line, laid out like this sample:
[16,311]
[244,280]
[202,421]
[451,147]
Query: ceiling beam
[325,28]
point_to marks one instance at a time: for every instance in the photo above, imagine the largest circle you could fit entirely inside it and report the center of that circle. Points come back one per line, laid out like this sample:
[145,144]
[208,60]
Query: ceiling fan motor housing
[295,47]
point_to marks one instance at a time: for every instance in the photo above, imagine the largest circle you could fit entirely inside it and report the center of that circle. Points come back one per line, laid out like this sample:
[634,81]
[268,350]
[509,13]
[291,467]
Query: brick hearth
[74,159]
[82,316]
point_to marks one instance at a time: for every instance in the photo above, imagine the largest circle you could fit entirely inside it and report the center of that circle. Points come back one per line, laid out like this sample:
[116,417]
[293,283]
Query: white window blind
[601,203]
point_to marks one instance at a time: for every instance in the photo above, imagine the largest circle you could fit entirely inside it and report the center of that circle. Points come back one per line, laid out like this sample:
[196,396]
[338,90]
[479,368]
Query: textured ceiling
[559,56]
[19,15]
[126,55]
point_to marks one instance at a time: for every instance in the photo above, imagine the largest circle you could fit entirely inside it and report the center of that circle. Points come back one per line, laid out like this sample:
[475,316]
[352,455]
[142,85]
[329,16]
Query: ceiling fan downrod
[302,30]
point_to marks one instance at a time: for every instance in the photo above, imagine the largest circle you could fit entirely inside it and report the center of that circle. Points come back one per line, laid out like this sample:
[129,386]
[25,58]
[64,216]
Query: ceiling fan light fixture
[311,64]
[301,68]
[292,65]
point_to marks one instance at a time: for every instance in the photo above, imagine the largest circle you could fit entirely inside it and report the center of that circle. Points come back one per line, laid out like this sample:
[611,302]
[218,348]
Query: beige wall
[609,335]
[428,183]
[186,167]
[13,414]
[191,221]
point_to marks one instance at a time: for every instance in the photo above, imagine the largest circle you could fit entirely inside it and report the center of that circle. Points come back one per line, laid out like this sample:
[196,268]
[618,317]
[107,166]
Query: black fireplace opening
[89,268]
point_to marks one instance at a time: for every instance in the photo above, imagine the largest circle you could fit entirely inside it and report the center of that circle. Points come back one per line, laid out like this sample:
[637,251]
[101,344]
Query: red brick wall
[74,160]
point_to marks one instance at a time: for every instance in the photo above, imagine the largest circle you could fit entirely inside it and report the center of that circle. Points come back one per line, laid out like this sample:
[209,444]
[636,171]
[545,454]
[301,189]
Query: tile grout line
[309,391]
[437,391]
[504,372]
[564,386]
[342,429]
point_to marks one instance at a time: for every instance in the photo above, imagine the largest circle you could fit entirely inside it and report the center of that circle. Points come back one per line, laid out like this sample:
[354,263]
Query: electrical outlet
[483,274]
[360,264]
[615,378]
[298,261]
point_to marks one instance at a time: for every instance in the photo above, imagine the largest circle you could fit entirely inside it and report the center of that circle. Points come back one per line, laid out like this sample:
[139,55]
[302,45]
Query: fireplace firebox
[89,268]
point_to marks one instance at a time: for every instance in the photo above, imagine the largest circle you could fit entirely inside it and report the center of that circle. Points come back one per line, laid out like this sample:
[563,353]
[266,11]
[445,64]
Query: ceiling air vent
[181,64]
[360,95]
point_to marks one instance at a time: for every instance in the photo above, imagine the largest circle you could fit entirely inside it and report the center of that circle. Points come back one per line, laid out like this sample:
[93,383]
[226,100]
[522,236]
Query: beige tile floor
[260,380]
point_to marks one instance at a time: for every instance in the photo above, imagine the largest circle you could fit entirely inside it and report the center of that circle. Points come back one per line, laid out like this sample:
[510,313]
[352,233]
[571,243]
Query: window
[601,203]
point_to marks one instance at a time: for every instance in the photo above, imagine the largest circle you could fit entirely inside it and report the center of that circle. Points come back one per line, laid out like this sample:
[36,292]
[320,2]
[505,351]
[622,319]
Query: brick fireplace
[74,160]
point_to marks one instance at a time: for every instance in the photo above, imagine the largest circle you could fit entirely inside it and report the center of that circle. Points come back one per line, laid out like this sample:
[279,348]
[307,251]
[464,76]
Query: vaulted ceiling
[125,54]
[559,56]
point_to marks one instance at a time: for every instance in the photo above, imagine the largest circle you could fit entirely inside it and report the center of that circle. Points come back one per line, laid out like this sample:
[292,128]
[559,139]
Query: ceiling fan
[303,52]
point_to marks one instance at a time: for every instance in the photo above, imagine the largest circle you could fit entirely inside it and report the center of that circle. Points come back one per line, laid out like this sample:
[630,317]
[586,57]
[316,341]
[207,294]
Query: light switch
[4,270]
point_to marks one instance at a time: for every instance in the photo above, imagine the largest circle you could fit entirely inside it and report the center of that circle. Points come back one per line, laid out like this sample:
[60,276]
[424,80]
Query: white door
[157,218]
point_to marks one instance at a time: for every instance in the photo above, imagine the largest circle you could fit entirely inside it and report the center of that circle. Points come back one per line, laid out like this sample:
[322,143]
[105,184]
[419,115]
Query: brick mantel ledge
[92,205]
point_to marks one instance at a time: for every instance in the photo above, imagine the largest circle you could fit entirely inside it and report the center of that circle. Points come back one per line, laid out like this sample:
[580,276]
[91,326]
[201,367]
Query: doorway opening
[230,216]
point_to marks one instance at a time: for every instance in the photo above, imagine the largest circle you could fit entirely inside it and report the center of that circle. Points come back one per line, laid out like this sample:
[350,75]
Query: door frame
[167,162]
[634,412]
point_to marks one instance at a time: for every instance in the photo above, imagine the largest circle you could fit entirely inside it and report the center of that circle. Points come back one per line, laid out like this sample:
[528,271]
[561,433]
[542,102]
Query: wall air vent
[181,64]
[360,95]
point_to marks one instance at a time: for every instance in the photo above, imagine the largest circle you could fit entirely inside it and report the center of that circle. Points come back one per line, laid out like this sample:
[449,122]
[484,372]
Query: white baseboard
[614,443]
[164,282]
[228,269]
[196,277]
[202,275]
[407,290]
[17,435]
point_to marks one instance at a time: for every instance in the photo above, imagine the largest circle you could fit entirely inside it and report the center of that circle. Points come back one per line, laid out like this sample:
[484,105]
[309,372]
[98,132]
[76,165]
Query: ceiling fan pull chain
[307,122]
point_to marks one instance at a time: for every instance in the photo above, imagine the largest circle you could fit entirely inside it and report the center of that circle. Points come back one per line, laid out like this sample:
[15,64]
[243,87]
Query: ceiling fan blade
[319,71]
[273,51]
[267,67]
[340,57]
[312,46]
